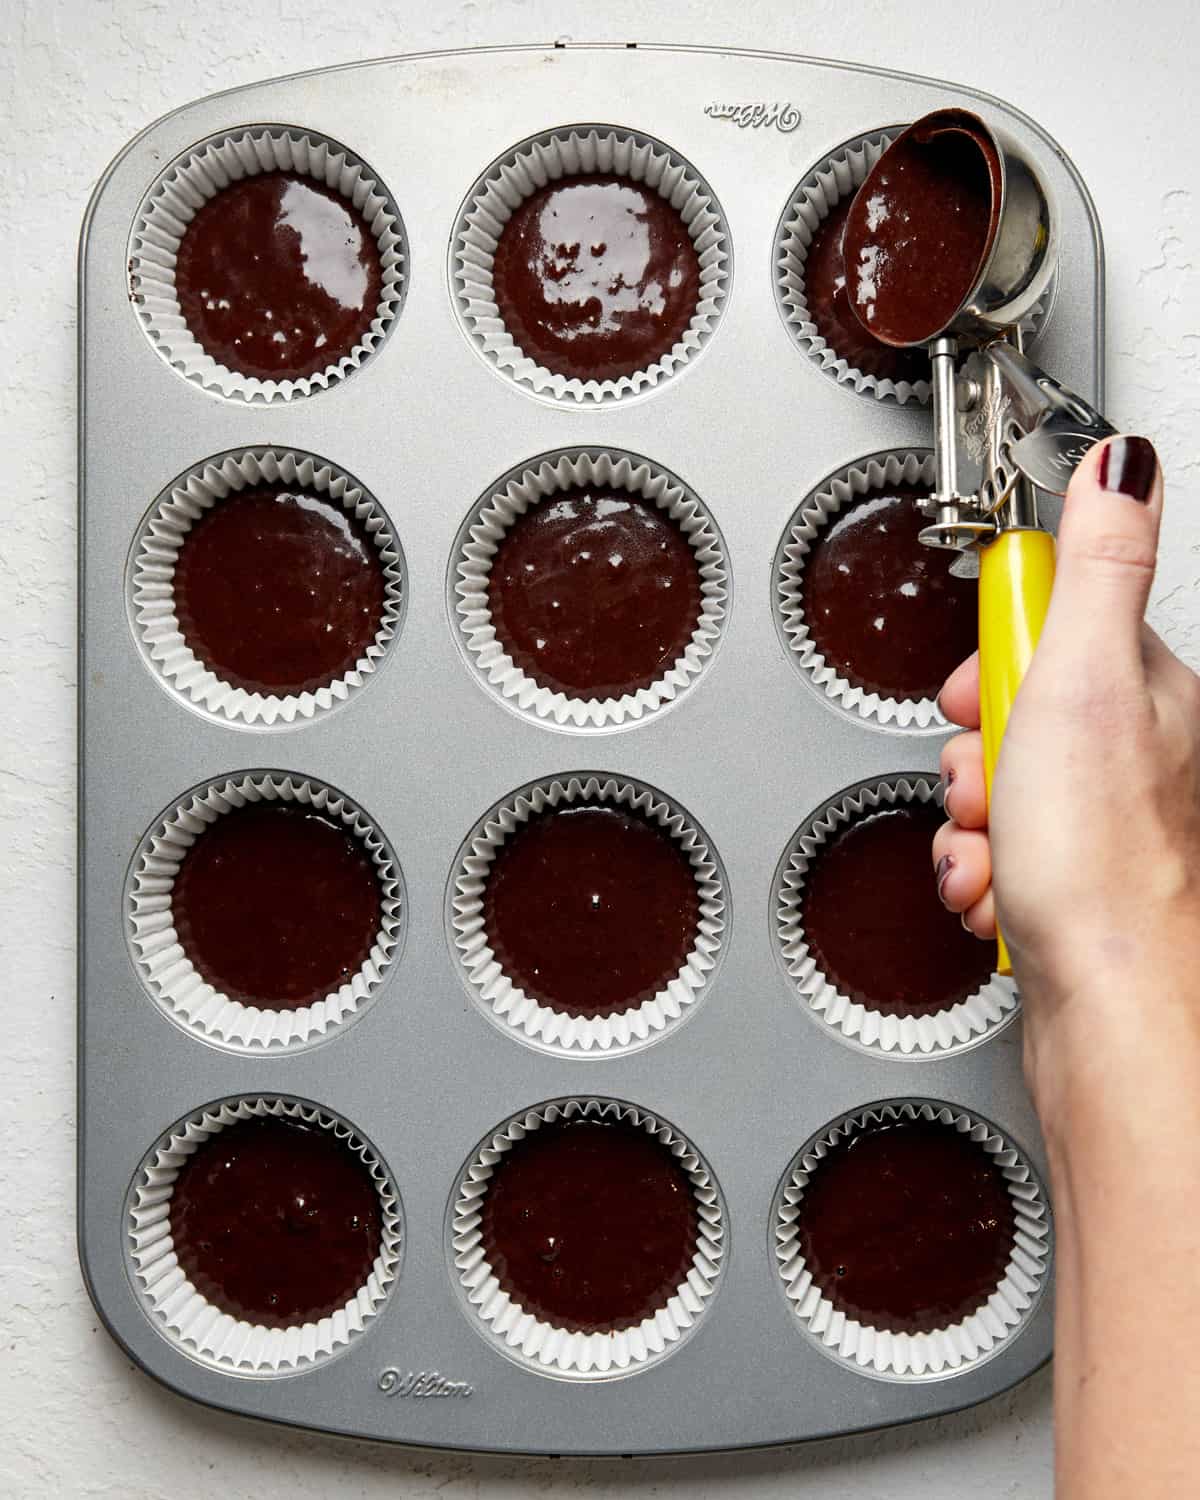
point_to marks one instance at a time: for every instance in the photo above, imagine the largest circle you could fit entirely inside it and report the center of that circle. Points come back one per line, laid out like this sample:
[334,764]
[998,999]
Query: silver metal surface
[751,425]
[1059,425]
[1018,509]
[956,523]
[1003,430]
[1025,250]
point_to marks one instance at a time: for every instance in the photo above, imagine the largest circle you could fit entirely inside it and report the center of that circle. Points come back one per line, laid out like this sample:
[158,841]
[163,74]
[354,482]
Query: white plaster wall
[1113,80]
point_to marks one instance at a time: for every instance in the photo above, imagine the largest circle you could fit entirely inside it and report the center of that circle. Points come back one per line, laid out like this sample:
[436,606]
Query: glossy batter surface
[276,905]
[883,609]
[596,276]
[829,308]
[589,1226]
[907,1227]
[918,232]
[591,910]
[594,593]
[278,590]
[275,1222]
[278,276]
[874,923]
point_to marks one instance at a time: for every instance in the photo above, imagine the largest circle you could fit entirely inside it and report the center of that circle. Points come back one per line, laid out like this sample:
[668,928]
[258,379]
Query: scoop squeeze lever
[955,221]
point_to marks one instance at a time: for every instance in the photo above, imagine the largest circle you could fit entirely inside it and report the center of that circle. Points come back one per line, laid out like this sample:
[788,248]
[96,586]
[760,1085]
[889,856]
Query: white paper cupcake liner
[162,962]
[839,176]
[944,1351]
[557,1351]
[961,1025]
[200,174]
[189,1319]
[151,583]
[479,540]
[563,153]
[869,475]
[505,1003]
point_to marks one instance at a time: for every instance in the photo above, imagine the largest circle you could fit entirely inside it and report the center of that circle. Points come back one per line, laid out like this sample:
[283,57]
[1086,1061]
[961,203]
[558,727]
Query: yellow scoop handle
[1016,574]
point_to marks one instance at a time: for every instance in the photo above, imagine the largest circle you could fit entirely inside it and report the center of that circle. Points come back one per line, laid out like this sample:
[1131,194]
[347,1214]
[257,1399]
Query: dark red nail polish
[1128,466]
[944,866]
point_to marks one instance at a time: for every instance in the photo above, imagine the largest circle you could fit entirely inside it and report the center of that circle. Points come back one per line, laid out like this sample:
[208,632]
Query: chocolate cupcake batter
[278,590]
[590,1226]
[881,608]
[907,1227]
[275,1222]
[596,276]
[921,226]
[278,276]
[591,910]
[594,593]
[873,921]
[276,905]
[829,308]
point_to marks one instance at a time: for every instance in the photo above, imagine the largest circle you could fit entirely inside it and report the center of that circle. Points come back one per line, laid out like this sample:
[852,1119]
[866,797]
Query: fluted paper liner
[479,541]
[839,176]
[151,583]
[188,1318]
[200,174]
[565,153]
[558,1351]
[868,476]
[532,1021]
[958,1026]
[162,961]
[944,1351]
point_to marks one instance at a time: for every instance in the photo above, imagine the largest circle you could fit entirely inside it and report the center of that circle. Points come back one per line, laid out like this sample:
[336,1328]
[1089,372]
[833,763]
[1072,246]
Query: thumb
[1107,540]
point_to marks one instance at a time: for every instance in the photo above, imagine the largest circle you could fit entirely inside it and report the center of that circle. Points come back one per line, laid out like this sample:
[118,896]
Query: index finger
[959,697]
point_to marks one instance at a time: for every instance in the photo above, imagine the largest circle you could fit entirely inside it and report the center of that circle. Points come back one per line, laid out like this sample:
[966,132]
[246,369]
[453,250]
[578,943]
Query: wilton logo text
[784,117]
[420,1383]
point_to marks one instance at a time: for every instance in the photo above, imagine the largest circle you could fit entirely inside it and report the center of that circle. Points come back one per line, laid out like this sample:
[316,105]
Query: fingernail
[944,866]
[1128,466]
[966,926]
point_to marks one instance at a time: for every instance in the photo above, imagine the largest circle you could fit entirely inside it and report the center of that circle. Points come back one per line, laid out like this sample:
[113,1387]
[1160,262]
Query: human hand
[1091,847]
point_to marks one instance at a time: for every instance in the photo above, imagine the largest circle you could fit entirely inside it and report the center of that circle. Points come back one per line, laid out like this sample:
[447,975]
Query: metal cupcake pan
[749,424]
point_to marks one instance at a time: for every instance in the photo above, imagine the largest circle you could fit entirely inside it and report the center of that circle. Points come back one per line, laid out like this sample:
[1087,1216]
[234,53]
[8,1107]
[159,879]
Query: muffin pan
[431,751]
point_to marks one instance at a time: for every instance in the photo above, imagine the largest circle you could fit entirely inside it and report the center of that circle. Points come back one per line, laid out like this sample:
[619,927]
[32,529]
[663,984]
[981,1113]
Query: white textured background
[1113,80]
